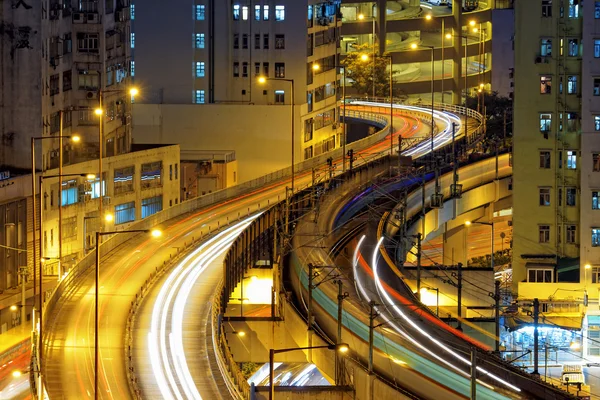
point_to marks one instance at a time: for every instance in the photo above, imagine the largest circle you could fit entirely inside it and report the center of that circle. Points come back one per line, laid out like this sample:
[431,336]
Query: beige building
[556,247]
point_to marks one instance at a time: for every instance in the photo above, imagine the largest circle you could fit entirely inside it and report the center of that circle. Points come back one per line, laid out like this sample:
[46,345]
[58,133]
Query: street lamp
[155,233]
[317,67]
[341,348]
[365,57]
[263,80]
[587,267]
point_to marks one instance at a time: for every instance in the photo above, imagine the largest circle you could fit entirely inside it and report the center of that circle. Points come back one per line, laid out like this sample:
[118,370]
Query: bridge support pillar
[455,245]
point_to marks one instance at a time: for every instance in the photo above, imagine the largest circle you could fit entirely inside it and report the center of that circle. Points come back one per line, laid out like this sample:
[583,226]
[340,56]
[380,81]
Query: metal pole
[41,291]
[371,329]
[443,44]
[536,316]
[242,294]
[459,297]
[60,174]
[466,94]
[293,104]
[437,302]
[497,313]
[101,145]
[33,202]
[545,363]
[271,374]
[492,258]
[339,330]
[373,55]
[432,89]
[473,373]
[391,111]
[23,299]
[419,266]
[344,120]
[96,355]
[310,289]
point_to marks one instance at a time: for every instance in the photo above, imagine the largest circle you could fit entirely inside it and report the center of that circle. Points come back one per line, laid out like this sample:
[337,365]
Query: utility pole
[459,287]
[372,316]
[23,273]
[419,266]
[497,313]
[338,358]
[310,289]
[473,373]
[536,317]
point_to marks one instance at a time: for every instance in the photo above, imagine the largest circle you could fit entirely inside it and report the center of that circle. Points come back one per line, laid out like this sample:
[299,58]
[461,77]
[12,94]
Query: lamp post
[263,80]
[317,67]
[586,268]
[342,348]
[154,233]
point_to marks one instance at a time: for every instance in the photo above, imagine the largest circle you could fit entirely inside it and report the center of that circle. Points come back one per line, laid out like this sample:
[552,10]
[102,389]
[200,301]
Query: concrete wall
[503,55]
[260,135]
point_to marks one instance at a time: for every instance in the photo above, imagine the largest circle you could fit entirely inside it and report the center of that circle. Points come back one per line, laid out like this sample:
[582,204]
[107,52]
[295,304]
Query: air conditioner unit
[78,18]
[87,197]
[538,60]
[106,201]
[87,186]
[93,18]
[90,95]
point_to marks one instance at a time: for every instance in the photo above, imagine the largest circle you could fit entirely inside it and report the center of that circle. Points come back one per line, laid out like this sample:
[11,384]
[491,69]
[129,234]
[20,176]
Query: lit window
[572,84]
[151,175]
[236,12]
[595,237]
[200,69]
[279,13]
[545,122]
[199,40]
[539,275]
[596,48]
[544,233]
[546,47]
[595,200]
[200,12]
[545,159]
[573,47]
[70,192]
[597,9]
[124,213]
[132,68]
[265,13]
[151,206]
[597,123]
[279,70]
[596,86]
[245,13]
[199,97]
[571,159]
[573,8]
[236,69]
[124,180]
[257,12]
[132,40]
[544,196]
[279,97]
[132,11]
[545,84]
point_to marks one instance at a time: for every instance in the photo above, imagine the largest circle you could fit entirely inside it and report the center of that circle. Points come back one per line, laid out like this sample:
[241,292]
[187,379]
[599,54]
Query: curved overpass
[129,260]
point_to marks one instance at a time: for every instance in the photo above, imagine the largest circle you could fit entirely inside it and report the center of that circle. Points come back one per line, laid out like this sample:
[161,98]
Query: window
[596,48]
[595,237]
[544,159]
[572,119]
[132,68]
[595,200]
[309,45]
[280,42]
[151,175]
[199,12]
[324,119]
[573,47]
[546,8]
[257,41]
[245,41]
[571,196]
[544,196]
[596,86]
[132,12]
[199,97]
[245,69]
[265,13]
[544,233]
[70,192]
[266,69]
[124,213]
[245,13]
[308,152]
[67,44]
[69,228]
[308,130]
[545,123]
[596,122]
[279,13]
[546,47]
[199,69]
[151,206]
[257,12]
[545,84]
[571,234]
[596,279]
[176,173]
[257,69]
[199,40]
[87,42]
[309,101]
[54,84]
[540,275]
[236,12]
[279,97]
[132,40]
[279,70]
[236,40]
[309,21]
[572,84]
[571,159]
[573,8]
[266,41]
[236,69]
[123,180]
[597,9]
[596,162]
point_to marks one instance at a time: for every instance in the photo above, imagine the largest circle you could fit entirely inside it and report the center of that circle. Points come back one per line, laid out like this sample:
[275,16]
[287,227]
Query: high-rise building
[215,51]
[59,56]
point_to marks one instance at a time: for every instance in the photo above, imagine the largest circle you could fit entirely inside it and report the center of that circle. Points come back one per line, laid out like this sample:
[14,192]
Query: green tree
[496,106]
[360,71]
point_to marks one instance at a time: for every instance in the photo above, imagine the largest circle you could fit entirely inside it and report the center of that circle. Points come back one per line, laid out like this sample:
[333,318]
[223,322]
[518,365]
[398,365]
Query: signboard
[4,175]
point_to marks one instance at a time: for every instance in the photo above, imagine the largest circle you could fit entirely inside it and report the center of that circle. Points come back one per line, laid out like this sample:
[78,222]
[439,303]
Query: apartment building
[480,45]
[556,170]
[214,52]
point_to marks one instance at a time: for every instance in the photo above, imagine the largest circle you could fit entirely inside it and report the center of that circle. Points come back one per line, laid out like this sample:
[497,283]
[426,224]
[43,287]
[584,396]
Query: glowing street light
[98,111]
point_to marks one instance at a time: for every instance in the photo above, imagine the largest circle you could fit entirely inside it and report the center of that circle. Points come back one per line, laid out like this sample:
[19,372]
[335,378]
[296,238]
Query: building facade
[216,51]
[556,170]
